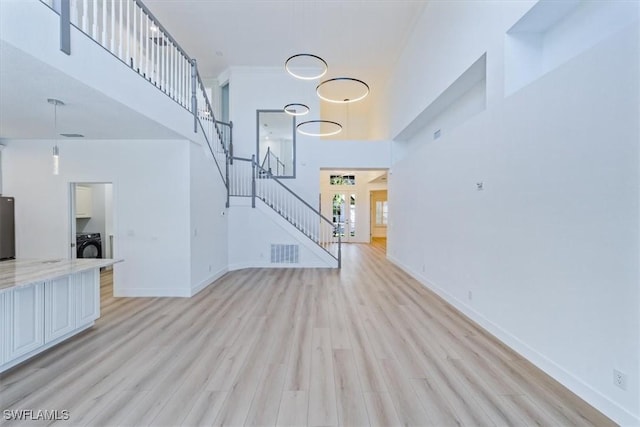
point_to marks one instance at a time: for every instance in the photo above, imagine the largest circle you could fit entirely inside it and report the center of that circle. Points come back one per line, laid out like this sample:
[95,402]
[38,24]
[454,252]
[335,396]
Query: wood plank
[380,409]
[322,393]
[349,397]
[294,408]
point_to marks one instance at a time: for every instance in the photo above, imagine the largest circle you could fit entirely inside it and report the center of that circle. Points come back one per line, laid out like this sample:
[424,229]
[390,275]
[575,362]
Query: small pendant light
[56,150]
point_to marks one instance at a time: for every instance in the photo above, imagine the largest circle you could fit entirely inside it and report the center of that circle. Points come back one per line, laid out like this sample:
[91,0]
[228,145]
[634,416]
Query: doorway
[345,201]
[344,216]
[379,217]
[91,220]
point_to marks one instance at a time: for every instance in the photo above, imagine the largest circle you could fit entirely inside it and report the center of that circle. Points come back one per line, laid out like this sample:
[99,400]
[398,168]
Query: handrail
[206,138]
[293,193]
[161,27]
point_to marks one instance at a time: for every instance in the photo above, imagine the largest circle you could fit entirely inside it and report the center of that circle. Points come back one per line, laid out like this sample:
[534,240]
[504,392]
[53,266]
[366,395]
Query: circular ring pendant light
[342,90]
[296,109]
[306,66]
[319,128]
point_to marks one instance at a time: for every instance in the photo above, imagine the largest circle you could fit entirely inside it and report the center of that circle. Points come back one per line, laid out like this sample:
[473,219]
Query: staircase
[248,179]
[134,36]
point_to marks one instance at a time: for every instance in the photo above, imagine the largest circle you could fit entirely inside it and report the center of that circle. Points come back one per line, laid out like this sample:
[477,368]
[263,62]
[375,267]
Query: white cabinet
[36,316]
[59,308]
[87,296]
[84,201]
[26,323]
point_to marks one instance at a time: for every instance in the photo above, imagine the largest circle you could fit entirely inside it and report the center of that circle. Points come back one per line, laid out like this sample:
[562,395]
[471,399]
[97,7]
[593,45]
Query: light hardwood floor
[367,345]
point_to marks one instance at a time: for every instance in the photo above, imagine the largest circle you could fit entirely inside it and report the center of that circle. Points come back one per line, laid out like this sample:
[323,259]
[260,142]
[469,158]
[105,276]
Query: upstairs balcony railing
[131,33]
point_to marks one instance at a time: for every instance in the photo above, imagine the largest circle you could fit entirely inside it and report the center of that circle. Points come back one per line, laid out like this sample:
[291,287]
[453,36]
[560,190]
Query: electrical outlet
[470,295]
[619,379]
[423,268]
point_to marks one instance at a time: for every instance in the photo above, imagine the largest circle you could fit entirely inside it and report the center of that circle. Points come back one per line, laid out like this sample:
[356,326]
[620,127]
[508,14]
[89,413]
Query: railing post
[227,178]
[65,27]
[253,181]
[339,250]
[231,141]
[194,99]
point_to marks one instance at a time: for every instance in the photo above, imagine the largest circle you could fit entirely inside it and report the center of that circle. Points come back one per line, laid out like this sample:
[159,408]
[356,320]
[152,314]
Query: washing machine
[89,245]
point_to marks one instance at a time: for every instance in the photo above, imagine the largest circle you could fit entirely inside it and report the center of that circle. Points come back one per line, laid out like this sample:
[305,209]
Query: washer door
[90,250]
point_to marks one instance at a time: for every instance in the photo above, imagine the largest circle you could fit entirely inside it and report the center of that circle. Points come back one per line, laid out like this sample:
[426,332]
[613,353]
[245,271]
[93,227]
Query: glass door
[344,216]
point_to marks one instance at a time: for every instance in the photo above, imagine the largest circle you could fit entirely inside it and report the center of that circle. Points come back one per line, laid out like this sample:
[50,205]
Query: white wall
[208,216]
[546,256]
[151,200]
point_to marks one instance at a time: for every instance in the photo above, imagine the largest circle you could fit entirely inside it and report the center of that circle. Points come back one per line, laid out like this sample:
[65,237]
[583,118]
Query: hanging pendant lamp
[306,66]
[319,128]
[342,90]
[296,109]
[56,150]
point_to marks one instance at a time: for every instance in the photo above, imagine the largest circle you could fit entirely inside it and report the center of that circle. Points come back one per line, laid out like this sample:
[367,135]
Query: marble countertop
[23,272]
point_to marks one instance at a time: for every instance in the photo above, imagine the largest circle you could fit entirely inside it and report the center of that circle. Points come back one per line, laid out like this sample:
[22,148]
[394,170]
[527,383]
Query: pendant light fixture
[56,150]
[342,90]
[296,109]
[319,128]
[305,66]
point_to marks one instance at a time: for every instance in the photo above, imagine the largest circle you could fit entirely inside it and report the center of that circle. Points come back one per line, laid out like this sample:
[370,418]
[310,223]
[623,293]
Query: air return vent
[284,254]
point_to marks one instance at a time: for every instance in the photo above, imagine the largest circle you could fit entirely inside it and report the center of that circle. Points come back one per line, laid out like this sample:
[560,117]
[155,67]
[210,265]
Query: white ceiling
[357,38]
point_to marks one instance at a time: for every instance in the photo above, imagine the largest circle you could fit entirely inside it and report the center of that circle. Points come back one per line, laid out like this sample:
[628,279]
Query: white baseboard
[592,396]
[152,292]
[242,266]
[208,281]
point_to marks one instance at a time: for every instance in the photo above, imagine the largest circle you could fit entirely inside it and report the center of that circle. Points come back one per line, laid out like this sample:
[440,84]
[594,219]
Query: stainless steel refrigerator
[7,228]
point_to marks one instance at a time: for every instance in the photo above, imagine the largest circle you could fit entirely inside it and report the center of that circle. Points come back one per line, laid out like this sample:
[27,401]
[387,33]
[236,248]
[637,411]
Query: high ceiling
[357,38]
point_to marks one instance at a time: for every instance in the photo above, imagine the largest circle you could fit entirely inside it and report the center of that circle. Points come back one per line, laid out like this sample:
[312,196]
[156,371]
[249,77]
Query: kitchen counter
[44,302]
[22,272]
